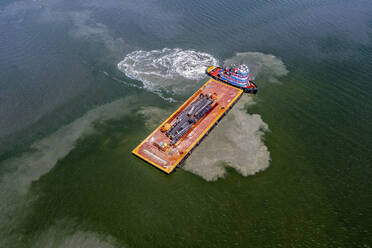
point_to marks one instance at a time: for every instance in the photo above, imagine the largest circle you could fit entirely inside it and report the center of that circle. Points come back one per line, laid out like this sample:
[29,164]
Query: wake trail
[171,71]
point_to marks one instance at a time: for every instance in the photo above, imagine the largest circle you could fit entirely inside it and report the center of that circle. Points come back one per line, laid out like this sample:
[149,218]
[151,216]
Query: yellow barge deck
[167,157]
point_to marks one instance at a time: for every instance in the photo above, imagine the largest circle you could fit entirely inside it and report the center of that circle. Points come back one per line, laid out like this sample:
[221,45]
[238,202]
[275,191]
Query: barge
[174,140]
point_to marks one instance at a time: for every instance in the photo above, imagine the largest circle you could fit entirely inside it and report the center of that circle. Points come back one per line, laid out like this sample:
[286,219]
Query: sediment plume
[19,172]
[236,142]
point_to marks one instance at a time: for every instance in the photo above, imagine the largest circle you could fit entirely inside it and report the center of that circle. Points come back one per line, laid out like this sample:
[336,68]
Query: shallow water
[82,83]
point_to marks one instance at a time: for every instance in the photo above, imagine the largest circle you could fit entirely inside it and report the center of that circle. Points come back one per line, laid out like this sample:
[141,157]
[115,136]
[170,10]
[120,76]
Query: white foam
[166,69]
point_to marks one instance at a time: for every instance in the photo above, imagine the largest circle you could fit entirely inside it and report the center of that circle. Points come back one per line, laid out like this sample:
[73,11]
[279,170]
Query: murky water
[82,83]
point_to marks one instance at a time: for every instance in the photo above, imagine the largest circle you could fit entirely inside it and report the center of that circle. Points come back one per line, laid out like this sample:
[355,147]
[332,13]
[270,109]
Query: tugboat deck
[167,158]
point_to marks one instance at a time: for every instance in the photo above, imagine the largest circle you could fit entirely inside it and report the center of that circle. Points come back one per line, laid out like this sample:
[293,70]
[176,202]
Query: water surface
[82,83]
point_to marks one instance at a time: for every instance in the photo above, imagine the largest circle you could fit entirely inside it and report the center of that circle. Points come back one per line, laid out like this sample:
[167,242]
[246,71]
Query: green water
[70,119]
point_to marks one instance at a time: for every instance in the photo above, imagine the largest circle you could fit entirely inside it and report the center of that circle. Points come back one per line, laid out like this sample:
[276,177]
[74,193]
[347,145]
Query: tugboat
[237,76]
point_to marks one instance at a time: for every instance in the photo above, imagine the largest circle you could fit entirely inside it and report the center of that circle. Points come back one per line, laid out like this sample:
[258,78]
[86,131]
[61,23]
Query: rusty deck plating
[167,159]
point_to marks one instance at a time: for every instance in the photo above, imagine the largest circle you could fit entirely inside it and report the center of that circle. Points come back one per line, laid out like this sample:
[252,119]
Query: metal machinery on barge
[189,117]
[173,141]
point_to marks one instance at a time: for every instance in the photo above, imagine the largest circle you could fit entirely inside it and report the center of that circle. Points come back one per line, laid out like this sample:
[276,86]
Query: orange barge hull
[155,149]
